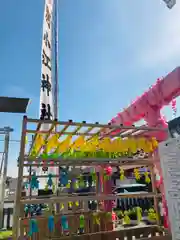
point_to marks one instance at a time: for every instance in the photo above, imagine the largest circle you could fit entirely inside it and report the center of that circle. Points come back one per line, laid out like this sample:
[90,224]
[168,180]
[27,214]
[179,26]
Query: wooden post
[154,189]
[17,208]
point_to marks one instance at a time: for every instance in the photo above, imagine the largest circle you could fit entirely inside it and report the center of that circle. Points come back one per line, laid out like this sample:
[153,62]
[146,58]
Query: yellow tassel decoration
[147,178]
[154,143]
[137,174]
[70,204]
[121,174]
[53,188]
[139,214]
[68,184]
[132,145]
[62,207]
[77,203]
[152,216]
[96,219]
[46,187]
[126,219]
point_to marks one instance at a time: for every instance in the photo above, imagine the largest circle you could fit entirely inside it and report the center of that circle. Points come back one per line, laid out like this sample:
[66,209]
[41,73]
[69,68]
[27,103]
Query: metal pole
[56,88]
[2,162]
[3,178]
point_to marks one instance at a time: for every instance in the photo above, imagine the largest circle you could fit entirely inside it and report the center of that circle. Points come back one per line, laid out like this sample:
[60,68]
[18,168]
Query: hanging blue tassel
[33,228]
[50,181]
[26,185]
[34,183]
[51,223]
[64,223]
[26,210]
[63,178]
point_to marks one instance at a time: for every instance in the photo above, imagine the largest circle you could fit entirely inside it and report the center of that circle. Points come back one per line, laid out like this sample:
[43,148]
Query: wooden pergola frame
[62,129]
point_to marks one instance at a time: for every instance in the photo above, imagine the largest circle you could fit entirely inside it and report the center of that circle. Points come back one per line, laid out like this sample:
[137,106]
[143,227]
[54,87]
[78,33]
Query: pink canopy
[148,106]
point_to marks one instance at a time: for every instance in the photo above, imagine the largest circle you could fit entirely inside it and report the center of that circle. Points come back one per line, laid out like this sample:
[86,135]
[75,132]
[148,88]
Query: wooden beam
[95,125]
[88,162]
[87,198]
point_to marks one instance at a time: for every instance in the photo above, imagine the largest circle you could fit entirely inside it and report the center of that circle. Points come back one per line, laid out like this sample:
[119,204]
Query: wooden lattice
[36,159]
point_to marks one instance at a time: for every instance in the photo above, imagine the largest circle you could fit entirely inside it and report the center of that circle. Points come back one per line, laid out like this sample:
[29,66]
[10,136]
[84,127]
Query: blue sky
[110,51]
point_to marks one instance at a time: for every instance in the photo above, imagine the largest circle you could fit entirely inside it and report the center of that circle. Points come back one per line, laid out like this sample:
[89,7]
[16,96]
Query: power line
[15,141]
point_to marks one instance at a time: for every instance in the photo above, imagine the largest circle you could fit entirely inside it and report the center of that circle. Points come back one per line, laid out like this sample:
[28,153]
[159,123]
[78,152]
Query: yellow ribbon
[121,174]
[137,174]
[139,213]
[127,220]
[96,219]
[147,178]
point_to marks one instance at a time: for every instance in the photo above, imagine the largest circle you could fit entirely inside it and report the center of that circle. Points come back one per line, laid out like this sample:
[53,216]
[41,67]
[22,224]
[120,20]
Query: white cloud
[13,169]
[162,44]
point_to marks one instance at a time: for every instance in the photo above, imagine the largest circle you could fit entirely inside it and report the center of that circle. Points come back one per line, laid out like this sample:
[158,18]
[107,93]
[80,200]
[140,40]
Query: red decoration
[108,170]
[25,222]
[114,216]
[159,182]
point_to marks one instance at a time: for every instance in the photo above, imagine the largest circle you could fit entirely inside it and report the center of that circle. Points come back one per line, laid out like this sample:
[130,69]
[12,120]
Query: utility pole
[56,87]
[3,174]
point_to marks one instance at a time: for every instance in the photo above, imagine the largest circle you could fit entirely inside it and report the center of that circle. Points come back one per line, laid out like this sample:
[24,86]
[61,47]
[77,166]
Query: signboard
[169,152]
[170,3]
[174,127]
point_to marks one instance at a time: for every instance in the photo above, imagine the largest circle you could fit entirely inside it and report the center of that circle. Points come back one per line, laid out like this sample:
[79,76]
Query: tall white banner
[46,92]
[46,96]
